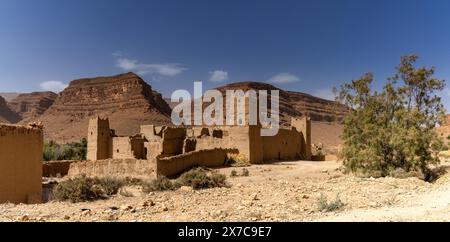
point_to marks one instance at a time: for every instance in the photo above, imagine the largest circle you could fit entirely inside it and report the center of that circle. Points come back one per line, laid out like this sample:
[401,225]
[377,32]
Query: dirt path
[433,205]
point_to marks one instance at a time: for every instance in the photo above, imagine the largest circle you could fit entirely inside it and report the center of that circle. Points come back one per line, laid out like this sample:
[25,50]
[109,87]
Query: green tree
[394,127]
[71,151]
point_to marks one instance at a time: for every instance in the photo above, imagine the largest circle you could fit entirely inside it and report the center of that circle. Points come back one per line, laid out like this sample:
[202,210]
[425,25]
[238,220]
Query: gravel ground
[287,191]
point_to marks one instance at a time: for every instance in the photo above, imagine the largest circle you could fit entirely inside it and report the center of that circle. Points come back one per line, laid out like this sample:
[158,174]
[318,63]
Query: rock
[112,217]
[126,207]
[32,105]
[40,219]
[67,217]
[6,114]
[185,189]
[148,203]
[247,203]
[24,218]
[254,197]
[305,196]
[113,208]
[86,212]
[165,208]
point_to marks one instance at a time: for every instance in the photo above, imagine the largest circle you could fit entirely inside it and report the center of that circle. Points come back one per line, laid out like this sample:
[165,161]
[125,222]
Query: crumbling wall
[20,164]
[148,131]
[56,168]
[154,148]
[256,145]
[174,165]
[286,145]
[128,148]
[190,144]
[173,141]
[303,126]
[232,137]
[113,168]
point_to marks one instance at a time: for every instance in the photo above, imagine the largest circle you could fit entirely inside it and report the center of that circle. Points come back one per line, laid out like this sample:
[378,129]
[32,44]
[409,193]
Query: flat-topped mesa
[31,105]
[115,92]
[127,99]
[6,114]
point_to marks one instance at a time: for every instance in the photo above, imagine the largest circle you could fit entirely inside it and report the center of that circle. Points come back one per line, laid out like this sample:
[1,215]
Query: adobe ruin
[174,149]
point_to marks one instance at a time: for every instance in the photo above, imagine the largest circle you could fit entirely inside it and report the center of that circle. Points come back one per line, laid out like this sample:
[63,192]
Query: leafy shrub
[70,151]
[395,127]
[84,188]
[326,206]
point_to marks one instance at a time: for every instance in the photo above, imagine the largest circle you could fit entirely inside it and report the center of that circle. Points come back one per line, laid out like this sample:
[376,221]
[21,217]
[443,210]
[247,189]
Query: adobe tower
[99,139]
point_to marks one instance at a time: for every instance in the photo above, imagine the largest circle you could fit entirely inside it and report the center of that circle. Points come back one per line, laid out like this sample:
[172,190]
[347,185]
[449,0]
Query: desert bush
[331,206]
[218,180]
[110,185]
[395,127]
[84,188]
[245,172]
[233,173]
[159,184]
[196,178]
[131,181]
[237,160]
[125,193]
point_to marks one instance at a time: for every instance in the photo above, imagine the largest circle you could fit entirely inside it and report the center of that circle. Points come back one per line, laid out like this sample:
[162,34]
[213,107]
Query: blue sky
[308,46]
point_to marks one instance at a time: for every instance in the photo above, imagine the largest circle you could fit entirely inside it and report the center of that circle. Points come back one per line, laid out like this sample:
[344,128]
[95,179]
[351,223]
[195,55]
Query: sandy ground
[286,191]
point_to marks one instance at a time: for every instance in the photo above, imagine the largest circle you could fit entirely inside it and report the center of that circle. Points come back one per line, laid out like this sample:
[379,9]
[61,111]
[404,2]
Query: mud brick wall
[174,165]
[21,156]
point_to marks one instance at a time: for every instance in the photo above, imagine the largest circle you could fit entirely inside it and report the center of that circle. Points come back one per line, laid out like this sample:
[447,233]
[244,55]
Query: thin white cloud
[117,54]
[160,69]
[284,78]
[218,76]
[53,86]
[325,93]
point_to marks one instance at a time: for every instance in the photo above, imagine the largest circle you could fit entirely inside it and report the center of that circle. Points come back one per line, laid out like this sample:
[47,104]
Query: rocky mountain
[30,106]
[6,114]
[8,96]
[126,99]
[295,104]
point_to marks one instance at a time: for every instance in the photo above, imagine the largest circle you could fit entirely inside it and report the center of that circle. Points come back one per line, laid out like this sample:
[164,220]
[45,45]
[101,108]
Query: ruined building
[104,144]
[20,164]
[174,149]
